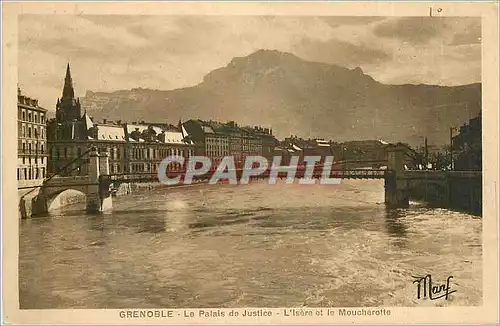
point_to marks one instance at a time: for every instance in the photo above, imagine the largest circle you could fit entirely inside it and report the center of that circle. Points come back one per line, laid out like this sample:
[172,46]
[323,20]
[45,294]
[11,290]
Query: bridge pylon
[98,198]
[395,184]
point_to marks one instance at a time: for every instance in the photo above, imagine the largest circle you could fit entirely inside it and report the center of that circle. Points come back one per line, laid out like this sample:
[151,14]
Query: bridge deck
[340,174]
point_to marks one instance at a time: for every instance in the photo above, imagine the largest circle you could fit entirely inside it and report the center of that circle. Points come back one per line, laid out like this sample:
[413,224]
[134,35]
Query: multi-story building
[109,137]
[32,142]
[132,148]
[467,146]
[148,145]
[210,136]
[221,139]
[260,141]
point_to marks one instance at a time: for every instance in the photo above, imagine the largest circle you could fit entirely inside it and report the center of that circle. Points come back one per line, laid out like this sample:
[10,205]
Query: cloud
[339,52]
[413,29]
[336,21]
[422,30]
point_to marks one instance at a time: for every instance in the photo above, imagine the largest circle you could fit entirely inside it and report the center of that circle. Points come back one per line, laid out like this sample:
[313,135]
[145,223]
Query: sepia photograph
[284,165]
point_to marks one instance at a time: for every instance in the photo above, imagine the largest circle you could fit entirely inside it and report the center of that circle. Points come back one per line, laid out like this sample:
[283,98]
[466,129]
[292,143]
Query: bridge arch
[55,199]
[49,196]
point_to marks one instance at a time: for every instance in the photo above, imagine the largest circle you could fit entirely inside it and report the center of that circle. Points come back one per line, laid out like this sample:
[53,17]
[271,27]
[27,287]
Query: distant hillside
[298,97]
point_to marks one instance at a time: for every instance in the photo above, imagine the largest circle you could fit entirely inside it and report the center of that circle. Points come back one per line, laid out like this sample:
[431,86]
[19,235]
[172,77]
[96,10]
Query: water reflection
[395,225]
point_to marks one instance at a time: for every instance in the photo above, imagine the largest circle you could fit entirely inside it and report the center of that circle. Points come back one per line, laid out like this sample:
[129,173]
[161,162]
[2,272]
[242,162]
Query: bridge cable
[59,170]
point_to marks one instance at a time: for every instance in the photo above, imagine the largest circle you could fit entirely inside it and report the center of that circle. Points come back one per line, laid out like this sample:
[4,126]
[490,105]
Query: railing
[436,174]
[61,181]
[359,174]
[342,174]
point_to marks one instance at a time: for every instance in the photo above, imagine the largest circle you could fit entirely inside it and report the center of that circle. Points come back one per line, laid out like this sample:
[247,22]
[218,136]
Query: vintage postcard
[250,163]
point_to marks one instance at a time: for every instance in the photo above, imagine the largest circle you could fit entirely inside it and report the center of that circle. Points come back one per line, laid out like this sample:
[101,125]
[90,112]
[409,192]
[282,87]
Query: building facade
[218,140]
[149,144]
[132,148]
[467,146]
[32,142]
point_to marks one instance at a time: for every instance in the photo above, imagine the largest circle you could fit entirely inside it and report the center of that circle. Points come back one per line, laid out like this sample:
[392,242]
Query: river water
[255,245]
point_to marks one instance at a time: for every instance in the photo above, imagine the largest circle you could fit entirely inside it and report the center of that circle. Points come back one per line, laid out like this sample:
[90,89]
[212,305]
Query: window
[36,132]
[18,174]
[29,148]
[42,118]
[43,173]
[24,147]
[24,115]
[42,149]
[29,117]
[25,174]
[29,132]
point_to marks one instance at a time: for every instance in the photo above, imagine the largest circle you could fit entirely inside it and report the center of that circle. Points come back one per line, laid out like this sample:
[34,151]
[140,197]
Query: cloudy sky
[110,53]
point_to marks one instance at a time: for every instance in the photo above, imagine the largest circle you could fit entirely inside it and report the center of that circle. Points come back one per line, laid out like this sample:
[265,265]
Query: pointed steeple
[68,107]
[68,92]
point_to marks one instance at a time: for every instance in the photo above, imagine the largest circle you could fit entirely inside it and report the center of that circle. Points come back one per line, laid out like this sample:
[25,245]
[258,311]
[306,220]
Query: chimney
[104,121]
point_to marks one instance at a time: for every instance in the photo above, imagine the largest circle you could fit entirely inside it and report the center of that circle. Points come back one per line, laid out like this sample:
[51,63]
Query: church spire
[68,107]
[68,92]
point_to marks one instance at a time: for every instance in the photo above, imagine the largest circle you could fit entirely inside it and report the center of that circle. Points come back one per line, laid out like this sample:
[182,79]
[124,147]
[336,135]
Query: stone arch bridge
[98,197]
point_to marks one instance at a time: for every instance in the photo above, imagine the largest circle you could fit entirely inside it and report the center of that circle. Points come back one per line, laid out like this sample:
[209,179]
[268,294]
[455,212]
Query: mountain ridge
[308,99]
